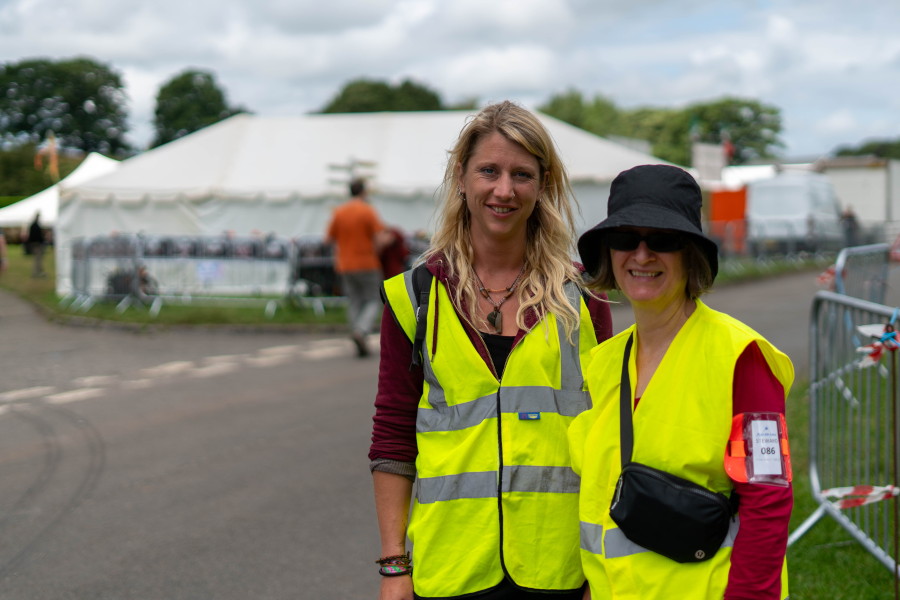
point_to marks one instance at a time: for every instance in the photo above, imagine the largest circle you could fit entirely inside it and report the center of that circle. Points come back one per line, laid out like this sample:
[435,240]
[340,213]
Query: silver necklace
[495,318]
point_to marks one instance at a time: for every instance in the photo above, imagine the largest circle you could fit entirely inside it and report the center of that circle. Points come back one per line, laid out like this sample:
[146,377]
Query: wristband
[394,566]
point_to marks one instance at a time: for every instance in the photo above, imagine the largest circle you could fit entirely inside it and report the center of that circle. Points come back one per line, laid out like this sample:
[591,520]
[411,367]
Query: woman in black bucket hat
[686,391]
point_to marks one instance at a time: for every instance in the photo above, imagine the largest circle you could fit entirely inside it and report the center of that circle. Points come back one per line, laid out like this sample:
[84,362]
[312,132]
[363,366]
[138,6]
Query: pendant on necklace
[496,320]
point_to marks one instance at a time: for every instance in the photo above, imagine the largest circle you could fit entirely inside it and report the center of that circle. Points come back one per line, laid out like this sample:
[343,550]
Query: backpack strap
[421,284]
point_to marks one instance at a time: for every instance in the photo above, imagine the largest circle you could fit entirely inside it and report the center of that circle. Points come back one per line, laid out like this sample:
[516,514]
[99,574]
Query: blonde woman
[479,419]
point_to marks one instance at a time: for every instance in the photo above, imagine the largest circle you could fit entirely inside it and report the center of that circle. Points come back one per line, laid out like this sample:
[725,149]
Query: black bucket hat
[656,196]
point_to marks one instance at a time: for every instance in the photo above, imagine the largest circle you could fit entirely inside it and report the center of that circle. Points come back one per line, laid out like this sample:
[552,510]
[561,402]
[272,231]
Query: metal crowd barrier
[153,270]
[853,423]
[313,281]
[862,272]
[785,238]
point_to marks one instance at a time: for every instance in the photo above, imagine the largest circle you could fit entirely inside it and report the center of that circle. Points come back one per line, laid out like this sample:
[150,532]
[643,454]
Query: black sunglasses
[657,242]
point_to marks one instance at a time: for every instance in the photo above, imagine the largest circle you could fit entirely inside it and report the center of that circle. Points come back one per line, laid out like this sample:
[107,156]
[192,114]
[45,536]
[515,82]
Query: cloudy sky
[831,66]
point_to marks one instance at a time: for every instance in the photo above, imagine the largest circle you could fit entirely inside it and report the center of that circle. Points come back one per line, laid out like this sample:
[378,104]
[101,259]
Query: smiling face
[501,184]
[648,278]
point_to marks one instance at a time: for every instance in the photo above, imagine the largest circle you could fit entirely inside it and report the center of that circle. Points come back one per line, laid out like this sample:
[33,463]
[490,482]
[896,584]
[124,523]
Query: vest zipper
[500,464]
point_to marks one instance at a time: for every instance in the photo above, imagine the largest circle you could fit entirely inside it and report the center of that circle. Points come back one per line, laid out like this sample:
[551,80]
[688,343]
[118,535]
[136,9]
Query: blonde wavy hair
[550,233]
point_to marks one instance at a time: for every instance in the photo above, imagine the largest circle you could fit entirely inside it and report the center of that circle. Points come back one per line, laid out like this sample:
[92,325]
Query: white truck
[793,212]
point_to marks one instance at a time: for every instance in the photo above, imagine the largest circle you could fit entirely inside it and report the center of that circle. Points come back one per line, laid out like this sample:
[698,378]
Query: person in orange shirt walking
[358,233]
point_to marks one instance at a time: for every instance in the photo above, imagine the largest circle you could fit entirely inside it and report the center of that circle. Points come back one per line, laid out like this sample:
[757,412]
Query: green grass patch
[744,268]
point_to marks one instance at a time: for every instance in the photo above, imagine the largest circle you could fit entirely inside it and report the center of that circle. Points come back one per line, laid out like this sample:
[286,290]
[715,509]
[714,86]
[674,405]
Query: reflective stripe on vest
[568,403]
[592,537]
[518,478]
[616,545]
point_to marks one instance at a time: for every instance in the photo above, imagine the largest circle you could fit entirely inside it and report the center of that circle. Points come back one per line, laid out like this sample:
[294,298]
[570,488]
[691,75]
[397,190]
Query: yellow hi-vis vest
[681,425]
[495,491]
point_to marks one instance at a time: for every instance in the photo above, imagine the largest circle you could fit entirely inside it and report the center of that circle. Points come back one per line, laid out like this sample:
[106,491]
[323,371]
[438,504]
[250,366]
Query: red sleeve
[397,399]
[601,316]
[764,510]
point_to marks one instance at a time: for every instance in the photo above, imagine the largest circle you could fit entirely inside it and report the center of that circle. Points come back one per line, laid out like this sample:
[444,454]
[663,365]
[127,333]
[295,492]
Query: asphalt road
[194,464]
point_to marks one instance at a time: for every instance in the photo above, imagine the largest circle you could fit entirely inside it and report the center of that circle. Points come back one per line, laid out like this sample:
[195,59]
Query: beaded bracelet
[394,566]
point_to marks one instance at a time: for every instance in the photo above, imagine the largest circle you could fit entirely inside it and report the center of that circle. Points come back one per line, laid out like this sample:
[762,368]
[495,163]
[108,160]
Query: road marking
[74,395]
[94,380]
[326,352]
[213,370]
[25,393]
[94,386]
[269,361]
[225,358]
[170,368]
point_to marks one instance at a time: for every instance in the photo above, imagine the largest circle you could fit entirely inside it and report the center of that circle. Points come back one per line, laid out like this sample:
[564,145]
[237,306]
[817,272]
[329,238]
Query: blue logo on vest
[529,416]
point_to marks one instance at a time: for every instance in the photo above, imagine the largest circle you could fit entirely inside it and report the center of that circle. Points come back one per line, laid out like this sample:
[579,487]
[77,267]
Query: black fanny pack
[664,513]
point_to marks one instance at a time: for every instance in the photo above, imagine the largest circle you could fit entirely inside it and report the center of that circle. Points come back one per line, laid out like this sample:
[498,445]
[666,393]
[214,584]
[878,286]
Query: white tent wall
[591,199]
[284,175]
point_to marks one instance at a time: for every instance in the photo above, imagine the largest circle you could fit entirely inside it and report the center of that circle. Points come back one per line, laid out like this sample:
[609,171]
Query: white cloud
[832,68]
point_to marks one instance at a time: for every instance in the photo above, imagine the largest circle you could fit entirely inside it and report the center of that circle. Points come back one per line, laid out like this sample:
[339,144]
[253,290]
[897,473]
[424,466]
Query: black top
[499,347]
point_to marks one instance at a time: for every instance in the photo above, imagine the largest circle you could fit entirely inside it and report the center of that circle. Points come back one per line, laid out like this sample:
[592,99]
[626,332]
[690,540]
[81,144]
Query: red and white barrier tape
[858,495]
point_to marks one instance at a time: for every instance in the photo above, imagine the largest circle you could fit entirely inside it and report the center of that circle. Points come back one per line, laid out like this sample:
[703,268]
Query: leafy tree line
[749,128]
[83,104]
[880,148]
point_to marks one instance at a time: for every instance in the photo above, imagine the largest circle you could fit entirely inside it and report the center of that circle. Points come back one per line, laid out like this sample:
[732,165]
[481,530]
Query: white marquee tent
[283,175]
[46,202]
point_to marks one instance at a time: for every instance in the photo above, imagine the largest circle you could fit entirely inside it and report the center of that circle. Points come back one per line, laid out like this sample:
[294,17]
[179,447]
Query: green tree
[598,116]
[81,100]
[189,101]
[666,129]
[568,106]
[367,95]
[879,148]
[753,128]
[470,103]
